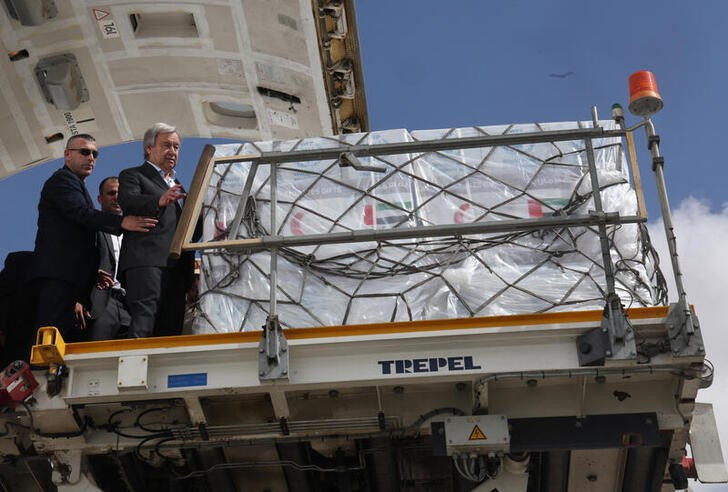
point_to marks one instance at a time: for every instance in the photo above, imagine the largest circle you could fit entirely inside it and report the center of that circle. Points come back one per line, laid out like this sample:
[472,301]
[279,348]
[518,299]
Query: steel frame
[619,342]
[377,380]
[523,367]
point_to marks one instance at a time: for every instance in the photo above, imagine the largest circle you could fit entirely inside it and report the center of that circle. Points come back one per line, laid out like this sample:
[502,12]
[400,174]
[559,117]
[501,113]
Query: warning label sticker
[106,23]
[477,434]
[100,14]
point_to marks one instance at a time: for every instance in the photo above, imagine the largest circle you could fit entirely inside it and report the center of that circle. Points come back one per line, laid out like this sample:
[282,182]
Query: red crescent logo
[459,216]
[297,224]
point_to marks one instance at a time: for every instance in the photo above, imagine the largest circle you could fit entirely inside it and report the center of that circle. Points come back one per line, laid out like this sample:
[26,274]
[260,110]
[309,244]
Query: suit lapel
[153,175]
[149,171]
[81,185]
[110,249]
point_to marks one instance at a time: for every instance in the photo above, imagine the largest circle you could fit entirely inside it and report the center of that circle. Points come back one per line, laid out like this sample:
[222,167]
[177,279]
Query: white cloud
[702,239]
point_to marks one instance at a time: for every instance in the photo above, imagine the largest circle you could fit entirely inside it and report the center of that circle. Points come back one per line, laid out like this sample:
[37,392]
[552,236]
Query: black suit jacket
[139,191]
[107,262]
[17,307]
[65,244]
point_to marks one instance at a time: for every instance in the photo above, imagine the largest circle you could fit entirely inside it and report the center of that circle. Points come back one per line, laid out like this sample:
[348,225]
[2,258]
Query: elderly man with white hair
[155,284]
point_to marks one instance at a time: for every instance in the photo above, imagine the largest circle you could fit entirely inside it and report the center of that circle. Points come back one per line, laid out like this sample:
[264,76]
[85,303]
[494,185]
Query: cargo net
[425,277]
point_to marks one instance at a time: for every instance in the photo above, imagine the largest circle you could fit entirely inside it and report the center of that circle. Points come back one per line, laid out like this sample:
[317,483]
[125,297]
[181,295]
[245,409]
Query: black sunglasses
[95,153]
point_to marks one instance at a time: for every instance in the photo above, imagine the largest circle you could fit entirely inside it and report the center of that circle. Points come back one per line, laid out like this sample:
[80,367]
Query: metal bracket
[54,379]
[66,467]
[132,373]
[683,329]
[272,352]
[232,231]
[348,159]
[614,338]
[49,347]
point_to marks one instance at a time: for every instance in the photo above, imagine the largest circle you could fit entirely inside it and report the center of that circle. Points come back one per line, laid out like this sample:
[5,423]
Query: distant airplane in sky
[560,75]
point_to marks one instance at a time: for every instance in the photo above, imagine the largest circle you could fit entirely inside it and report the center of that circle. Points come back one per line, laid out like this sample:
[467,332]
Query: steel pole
[274,233]
[658,162]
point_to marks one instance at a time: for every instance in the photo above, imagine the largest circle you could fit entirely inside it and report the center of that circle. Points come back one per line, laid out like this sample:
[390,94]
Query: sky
[435,64]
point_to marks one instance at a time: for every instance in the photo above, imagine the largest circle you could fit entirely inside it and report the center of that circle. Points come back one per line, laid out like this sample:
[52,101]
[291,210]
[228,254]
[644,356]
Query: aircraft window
[31,12]
[18,55]
[61,81]
[163,25]
[284,96]
[233,109]
[230,114]
[54,138]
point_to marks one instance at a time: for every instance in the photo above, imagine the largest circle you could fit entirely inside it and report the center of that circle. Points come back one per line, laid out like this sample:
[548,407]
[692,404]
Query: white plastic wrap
[429,277]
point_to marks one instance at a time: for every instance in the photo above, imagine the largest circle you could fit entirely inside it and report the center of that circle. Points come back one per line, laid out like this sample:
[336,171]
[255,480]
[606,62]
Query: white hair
[150,136]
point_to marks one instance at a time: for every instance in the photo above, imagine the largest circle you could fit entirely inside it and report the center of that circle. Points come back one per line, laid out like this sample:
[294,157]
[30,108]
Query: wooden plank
[641,208]
[193,203]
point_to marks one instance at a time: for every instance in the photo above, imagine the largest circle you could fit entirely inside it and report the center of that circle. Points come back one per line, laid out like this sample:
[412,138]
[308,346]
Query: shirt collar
[173,174]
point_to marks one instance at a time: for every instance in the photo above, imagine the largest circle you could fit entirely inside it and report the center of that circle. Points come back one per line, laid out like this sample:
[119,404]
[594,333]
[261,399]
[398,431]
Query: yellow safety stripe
[360,330]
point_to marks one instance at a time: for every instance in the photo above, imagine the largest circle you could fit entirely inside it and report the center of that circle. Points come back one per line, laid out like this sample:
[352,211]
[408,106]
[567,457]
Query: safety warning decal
[100,14]
[106,23]
[477,434]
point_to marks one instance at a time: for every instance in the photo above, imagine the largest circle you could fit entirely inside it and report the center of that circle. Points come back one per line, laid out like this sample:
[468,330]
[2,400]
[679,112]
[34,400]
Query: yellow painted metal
[467,323]
[49,347]
[594,316]
[162,342]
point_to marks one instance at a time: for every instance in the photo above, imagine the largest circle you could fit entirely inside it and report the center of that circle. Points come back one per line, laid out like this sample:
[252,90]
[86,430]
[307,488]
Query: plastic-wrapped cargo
[427,277]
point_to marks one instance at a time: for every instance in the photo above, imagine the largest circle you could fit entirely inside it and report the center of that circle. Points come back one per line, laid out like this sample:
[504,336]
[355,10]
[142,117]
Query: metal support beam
[420,147]
[194,410]
[591,432]
[232,232]
[273,352]
[280,404]
[683,329]
[599,211]
[66,466]
[363,235]
[614,339]
[683,326]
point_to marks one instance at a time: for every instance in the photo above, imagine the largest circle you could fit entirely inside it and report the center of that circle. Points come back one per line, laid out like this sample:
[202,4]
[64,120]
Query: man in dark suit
[64,266]
[108,314]
[17,307]
[155,284]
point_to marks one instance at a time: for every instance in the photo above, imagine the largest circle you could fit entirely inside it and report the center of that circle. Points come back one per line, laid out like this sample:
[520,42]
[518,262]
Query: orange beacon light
[644,99]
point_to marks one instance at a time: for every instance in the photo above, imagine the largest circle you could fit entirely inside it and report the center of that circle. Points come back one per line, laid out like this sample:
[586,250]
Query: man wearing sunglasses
[66,258]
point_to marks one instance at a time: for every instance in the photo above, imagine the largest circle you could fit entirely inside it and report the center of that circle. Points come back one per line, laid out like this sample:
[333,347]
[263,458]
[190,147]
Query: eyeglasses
[95,153]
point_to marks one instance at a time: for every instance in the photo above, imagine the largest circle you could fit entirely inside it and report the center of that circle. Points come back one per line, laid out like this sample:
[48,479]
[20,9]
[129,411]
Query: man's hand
[104,280]
[171,195]
[138,224]
[81,315]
